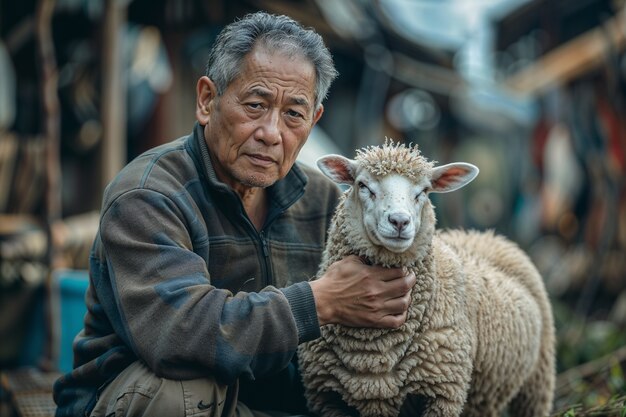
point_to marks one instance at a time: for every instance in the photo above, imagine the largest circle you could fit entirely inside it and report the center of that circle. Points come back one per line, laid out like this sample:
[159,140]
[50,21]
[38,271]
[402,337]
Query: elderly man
[199,276]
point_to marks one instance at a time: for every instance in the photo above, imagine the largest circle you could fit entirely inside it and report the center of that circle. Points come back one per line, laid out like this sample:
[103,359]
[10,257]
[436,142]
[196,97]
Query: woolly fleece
[479,333]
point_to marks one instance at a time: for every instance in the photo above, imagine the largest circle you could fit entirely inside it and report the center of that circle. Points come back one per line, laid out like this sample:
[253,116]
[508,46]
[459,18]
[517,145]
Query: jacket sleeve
[173,318]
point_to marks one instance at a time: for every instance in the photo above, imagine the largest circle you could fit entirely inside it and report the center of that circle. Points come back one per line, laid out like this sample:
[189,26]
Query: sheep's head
[389,191]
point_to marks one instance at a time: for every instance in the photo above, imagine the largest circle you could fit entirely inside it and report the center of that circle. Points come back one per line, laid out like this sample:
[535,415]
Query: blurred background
[531,91]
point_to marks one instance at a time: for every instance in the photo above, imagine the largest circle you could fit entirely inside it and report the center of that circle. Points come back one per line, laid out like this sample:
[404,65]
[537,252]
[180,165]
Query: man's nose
[270,129]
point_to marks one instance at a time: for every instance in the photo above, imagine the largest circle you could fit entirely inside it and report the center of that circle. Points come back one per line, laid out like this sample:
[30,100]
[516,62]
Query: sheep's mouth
[396,243]
[387,232]
[392,240]
[399,237]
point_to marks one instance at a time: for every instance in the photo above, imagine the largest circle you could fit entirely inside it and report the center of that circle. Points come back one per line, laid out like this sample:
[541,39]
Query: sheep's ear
[451,177]
[338,168]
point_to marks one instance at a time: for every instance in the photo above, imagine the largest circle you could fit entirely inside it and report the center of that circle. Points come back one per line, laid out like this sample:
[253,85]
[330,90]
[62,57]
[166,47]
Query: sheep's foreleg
[444,372]
[442,407]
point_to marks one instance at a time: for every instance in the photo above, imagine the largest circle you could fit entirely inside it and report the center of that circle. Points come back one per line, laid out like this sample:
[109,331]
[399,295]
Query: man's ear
[338,168]
[206,91]
[318,114]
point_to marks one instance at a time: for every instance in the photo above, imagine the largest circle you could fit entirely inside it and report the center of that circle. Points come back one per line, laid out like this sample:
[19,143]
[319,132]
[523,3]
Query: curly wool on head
[395,157]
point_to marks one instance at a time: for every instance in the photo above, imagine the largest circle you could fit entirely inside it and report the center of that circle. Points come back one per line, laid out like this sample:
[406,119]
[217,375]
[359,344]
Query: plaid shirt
[181,279]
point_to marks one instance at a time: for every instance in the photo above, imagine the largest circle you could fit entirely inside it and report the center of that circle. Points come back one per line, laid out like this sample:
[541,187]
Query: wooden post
[51,134]
[113,151]
[51,109]
[580,55]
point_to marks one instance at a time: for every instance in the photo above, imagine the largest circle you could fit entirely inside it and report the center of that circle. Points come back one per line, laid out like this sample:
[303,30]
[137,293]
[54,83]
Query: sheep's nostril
[399,220]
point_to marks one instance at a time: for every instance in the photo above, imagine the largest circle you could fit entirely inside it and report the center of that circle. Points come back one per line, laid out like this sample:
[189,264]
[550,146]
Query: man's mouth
[260,159]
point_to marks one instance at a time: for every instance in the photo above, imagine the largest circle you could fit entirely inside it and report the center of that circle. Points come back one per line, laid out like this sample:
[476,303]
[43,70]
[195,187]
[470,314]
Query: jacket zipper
[266,260]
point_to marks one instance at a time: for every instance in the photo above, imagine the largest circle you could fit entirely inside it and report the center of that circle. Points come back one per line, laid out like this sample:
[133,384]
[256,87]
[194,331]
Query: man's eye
[255,105]
[294,113]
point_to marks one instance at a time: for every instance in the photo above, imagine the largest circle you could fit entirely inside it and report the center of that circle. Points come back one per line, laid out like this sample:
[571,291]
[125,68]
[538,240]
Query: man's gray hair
[277,33]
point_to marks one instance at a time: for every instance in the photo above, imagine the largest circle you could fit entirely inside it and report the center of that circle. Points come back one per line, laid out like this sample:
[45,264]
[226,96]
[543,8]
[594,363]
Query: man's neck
[254,201]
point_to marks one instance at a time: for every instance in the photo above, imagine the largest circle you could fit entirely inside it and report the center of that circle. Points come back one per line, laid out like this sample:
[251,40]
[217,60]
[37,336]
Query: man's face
[255,130]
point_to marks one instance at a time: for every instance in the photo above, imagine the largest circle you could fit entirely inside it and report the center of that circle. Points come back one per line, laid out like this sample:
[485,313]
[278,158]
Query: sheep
[479,334]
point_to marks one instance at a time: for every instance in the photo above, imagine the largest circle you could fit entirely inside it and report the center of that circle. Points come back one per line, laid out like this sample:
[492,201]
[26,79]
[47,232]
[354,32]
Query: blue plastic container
[68,306]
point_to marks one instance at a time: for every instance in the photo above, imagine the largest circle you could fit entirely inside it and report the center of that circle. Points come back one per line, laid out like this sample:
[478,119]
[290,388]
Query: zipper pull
[264,245]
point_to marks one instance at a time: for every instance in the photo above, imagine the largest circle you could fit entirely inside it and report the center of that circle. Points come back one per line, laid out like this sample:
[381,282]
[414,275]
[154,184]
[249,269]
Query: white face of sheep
[391,205]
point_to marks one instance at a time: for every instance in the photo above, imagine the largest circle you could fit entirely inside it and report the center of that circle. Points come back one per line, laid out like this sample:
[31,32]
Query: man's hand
[358,295]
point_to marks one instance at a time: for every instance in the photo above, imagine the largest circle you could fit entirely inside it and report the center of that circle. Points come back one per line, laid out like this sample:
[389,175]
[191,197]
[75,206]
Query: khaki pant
[137,391]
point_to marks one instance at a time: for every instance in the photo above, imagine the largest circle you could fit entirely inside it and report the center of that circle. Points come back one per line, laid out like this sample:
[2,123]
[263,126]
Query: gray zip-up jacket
[181,279]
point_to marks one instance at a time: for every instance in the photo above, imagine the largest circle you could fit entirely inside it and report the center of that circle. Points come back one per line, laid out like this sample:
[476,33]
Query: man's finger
[398,305]
[393,321]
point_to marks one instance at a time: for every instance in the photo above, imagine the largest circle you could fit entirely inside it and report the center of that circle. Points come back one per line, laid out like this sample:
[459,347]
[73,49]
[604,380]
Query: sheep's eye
[421,193]
[362,186]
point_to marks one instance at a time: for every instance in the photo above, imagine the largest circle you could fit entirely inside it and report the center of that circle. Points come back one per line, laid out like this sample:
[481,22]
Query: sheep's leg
[436,407]
[446,398]
[531,401]
[413,406]
[445,371]
[483,412]
[535,397]
[443,407]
